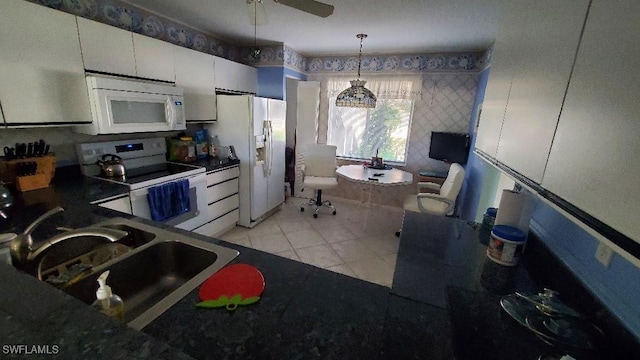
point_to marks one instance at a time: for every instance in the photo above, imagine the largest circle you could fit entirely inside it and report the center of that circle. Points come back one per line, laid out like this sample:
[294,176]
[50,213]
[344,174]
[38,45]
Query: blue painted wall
[272,83]
[475,168]
[617,287]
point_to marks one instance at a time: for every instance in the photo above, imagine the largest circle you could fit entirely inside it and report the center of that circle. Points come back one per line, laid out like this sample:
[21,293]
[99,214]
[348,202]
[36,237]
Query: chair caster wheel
[301,209]
[334,212]
[315,216]
[397,233]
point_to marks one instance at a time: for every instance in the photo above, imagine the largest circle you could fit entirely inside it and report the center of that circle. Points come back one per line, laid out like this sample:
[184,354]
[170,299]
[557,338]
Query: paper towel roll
[515,210]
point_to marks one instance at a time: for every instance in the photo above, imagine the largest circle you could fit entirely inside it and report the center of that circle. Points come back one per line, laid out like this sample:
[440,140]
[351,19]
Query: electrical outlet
[604,254]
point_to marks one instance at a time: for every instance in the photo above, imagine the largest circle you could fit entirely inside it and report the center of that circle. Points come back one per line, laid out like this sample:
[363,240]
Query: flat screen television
[449,147]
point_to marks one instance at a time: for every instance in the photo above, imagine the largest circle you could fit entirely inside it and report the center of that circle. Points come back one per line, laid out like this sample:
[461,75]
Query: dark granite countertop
[215,163]
[442,262]
[305,312]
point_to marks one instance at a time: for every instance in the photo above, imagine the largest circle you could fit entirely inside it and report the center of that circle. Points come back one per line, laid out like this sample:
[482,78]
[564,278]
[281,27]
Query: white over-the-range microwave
[129,106]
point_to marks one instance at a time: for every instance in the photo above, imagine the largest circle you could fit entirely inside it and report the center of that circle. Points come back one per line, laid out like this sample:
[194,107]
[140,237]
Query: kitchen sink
[159,268]
[136,238]
[149,278]
[88,251]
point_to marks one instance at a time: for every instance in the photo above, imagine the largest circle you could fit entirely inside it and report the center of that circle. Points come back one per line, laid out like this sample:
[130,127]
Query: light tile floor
[336,243]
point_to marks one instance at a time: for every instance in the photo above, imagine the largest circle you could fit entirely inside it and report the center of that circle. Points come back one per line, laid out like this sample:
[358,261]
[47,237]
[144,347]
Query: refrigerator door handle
[270,147]
[267,144]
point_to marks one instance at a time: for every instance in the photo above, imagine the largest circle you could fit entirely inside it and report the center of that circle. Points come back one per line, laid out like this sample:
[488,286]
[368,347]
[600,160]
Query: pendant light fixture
[254,55]
[357,96]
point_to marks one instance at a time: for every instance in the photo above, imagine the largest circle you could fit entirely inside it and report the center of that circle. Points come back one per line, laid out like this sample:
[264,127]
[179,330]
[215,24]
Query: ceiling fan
[258,16]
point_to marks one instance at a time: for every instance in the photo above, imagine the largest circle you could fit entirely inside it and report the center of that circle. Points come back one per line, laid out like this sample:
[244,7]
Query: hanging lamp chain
[360,36]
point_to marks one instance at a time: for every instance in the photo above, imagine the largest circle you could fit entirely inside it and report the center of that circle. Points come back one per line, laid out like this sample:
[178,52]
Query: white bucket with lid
[506,245]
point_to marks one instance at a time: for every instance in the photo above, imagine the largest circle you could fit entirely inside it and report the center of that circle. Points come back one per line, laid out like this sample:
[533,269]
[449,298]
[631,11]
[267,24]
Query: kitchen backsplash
[63,140]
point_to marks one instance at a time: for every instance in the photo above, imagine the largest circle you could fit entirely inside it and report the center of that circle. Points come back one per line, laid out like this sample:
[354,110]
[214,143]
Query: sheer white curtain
[361,133]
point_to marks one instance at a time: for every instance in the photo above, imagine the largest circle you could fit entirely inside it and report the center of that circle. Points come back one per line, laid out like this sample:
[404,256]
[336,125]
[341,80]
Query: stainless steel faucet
[23,249]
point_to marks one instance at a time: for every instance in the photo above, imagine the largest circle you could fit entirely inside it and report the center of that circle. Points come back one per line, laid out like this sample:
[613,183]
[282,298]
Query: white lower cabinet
[219,226]
[223,200]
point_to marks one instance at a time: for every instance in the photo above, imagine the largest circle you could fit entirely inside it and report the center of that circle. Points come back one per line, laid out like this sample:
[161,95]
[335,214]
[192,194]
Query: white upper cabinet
[41,72]
[106,48]
[503,60]
[194,72]
[154,58]
[550,34]
[594,162]
[494,104]
[234,76]
[113,50]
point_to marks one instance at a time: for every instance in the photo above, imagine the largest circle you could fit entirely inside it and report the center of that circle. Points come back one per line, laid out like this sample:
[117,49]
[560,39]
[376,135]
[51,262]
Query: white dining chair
[319,173]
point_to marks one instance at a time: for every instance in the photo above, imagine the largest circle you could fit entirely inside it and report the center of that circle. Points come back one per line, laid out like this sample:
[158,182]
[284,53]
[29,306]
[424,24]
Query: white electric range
[146,166]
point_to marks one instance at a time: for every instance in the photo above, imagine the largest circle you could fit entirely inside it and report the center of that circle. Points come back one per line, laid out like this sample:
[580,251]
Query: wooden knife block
[42,178]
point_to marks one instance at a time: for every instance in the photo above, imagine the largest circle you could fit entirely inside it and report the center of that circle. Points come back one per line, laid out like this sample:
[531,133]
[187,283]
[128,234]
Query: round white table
[374,178]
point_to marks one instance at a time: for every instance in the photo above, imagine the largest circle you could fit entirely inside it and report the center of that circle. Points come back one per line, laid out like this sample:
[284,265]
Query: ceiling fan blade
[311,6]
[255,10]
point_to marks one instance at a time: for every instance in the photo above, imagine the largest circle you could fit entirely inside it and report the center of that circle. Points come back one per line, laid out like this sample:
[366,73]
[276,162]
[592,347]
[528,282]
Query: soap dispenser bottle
[108,302]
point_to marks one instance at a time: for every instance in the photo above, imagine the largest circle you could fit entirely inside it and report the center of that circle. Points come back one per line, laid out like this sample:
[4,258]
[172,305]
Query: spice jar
[182,150]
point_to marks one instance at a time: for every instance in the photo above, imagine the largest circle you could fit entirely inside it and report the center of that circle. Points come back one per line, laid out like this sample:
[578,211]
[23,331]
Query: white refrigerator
[256,128]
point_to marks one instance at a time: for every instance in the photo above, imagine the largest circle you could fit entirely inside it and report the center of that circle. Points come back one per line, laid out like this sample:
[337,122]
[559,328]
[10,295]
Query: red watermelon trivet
[233,285]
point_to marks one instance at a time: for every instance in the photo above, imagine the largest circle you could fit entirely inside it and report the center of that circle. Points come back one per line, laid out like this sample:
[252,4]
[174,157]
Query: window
[361,133]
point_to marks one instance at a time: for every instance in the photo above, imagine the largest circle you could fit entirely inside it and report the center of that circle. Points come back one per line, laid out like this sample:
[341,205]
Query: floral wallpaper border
[129,17]
[436,62]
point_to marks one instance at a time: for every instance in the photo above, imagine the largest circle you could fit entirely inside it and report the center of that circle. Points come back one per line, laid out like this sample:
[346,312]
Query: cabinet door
[223,206]
[594,161]
[216,177]
[220,191]
[106,48]
[550,34]
[154,58]
[194,72]
[234,76]
[494,104]
[41,72]
[503,62]
[220,225]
